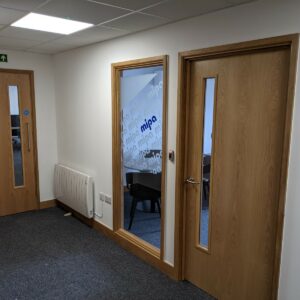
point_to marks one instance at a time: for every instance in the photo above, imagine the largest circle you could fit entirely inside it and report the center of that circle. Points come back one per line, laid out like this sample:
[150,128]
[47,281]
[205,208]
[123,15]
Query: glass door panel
[208,120]
[16,135]
[141,93]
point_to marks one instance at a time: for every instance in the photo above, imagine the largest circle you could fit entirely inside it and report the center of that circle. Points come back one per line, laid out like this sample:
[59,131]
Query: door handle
[28,138]
[191,180]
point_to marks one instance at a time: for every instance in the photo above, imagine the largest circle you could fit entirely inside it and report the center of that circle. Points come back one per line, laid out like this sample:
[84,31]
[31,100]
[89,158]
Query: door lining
[185,58]
[149,252]
[34,130]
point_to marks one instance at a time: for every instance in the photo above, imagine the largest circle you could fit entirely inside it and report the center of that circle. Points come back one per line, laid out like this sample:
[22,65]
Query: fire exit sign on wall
[3,58]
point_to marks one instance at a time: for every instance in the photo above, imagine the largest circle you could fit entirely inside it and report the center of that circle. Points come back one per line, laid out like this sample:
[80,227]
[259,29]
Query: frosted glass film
[142,112]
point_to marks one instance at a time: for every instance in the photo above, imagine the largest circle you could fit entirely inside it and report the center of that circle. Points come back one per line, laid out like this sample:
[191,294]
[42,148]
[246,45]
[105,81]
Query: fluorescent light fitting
[50,24]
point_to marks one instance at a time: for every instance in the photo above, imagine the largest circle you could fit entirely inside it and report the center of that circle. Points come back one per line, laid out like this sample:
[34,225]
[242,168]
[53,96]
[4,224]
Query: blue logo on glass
[148,123]
[26,112]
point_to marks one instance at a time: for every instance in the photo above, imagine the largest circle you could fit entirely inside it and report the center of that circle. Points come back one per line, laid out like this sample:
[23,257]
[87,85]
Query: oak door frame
[127,237]
[185,58]
[34,130]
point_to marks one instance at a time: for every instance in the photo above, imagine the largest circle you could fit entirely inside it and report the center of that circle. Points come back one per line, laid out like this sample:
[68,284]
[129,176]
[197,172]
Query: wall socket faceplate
[105,198]
[102,197]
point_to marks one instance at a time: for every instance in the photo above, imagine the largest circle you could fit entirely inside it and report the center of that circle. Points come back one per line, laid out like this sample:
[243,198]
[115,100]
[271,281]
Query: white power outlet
[102,197]
[100,206]
[107,199]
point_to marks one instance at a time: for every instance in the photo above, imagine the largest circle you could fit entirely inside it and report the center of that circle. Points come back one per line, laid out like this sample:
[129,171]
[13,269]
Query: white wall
[45,112]
[83,91]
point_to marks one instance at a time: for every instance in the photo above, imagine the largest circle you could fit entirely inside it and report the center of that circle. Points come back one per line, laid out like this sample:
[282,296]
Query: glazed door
[18,191]
[237,109]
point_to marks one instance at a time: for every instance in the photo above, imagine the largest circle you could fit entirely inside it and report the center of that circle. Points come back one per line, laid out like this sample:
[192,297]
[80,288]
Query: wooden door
[249,111]
[18,187]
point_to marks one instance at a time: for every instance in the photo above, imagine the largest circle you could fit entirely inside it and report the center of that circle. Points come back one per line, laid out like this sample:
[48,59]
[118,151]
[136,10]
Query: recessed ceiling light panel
[50,24]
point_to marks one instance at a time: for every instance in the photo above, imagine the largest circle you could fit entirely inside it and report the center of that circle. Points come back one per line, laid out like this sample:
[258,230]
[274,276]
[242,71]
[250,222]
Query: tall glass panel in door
[16,135]
[142,122]
[208,121]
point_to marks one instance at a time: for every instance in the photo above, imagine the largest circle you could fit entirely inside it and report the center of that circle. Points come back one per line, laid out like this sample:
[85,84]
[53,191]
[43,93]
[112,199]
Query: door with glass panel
[17,156]
[236,127]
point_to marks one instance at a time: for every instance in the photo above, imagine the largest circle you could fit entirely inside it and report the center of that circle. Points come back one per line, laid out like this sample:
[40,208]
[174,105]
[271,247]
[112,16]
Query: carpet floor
[44,255]
[146,225]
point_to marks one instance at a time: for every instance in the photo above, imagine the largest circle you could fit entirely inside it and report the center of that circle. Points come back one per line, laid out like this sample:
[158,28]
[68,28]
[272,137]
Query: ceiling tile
[81,10]
[236,2]
[130,4]
[26,5]
[178,9]
[92,35]
[8,16]
[51,48]
[16,44]
[34,35]
[86,37]
[137,22]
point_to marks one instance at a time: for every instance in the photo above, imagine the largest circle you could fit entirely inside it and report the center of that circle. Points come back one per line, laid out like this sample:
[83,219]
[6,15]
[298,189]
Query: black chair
[206,176]
[139,192]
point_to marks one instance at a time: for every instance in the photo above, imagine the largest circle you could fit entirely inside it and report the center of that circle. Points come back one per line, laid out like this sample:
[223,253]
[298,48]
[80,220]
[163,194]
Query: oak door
[18,187]
[232,189]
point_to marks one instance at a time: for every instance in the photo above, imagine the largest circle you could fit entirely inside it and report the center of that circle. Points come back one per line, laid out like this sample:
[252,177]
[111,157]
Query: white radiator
[75,189]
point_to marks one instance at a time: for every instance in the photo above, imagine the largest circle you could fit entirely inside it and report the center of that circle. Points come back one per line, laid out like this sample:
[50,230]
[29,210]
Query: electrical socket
[107,199]
[102,197]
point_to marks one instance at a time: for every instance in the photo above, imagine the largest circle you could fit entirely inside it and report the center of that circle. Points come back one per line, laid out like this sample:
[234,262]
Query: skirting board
[48,204]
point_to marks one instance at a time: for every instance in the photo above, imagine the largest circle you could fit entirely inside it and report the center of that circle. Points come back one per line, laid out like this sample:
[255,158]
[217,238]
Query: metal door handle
[191,180]
[28,138]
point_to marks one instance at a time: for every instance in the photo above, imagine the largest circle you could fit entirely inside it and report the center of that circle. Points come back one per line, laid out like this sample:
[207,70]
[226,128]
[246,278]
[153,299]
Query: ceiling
[112,18]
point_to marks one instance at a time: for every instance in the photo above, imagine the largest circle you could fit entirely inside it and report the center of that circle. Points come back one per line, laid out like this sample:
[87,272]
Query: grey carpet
[44,255]
[146,225]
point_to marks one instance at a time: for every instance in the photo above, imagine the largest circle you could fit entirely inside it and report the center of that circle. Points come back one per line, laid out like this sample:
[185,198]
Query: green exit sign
[3,58]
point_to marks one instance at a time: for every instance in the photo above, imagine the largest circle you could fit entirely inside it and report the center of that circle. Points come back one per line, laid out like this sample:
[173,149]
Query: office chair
[139,193]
